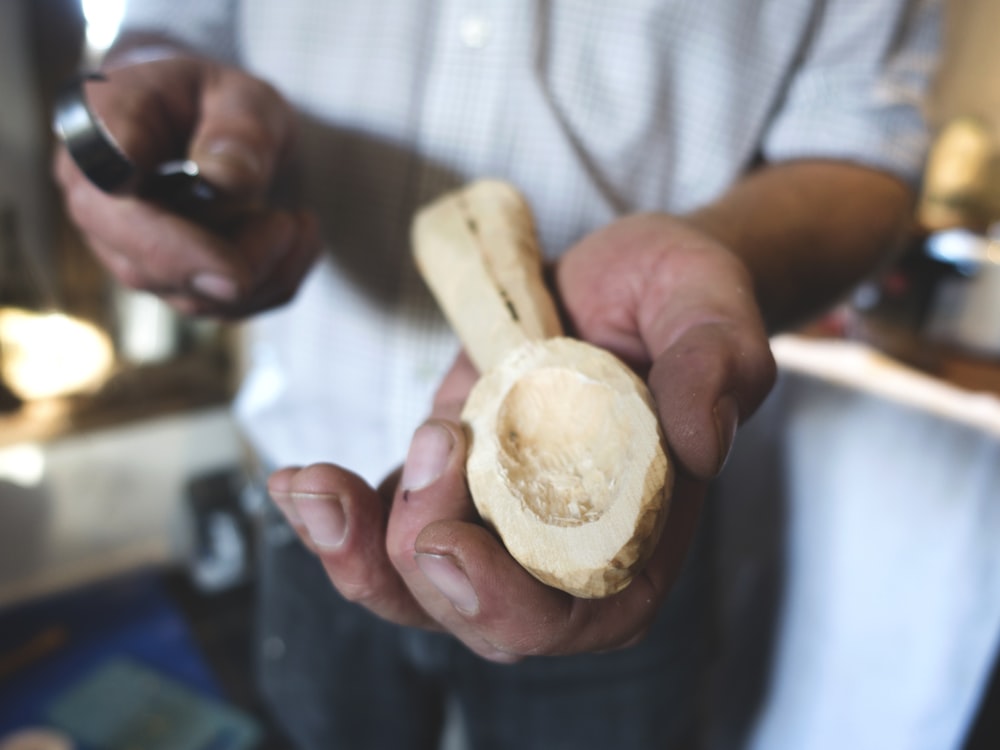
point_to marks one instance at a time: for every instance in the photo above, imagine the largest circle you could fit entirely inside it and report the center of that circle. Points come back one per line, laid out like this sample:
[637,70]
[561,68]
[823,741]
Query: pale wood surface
[477,251]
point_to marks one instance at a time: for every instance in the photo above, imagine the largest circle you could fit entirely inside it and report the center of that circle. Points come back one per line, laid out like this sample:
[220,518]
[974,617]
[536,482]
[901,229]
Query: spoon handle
[477,250]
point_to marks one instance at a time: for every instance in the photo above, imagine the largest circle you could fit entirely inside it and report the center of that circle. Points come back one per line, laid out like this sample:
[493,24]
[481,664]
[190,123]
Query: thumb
[712,362]
[242,132]
[147,109]
[655,291]
[234,126]
[706,382]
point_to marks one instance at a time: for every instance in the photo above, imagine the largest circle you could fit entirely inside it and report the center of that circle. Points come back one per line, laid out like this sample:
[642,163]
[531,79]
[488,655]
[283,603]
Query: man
[705,172]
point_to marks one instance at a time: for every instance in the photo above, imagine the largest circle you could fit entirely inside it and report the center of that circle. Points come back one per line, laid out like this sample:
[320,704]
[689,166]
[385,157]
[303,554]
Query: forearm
[808,231]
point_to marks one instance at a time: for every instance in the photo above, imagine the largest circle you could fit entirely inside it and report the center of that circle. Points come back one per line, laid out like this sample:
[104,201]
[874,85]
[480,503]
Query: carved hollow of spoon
[567,461]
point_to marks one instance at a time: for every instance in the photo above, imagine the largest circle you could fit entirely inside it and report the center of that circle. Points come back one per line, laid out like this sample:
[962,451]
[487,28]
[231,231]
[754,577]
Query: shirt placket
[459,134]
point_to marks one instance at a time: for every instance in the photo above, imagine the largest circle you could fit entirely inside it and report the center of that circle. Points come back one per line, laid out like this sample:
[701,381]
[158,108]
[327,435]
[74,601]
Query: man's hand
[664,297]
[674,303]
[236,128]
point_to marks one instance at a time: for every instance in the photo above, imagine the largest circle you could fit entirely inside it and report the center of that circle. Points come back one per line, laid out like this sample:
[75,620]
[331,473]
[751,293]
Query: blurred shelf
[190,382]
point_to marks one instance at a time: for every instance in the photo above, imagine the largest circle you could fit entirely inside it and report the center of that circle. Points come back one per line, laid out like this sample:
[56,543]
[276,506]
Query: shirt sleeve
[208,26]
[859,94]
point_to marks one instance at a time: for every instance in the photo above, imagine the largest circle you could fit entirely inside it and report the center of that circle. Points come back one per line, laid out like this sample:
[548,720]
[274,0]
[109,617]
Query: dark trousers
[338,678]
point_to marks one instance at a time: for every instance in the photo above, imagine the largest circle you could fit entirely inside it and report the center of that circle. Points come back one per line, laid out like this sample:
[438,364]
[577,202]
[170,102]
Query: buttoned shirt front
[593,109]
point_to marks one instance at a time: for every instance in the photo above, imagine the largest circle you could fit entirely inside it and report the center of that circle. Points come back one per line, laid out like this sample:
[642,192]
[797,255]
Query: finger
[243,130]
[280,284]
[706,382]
[432,490]
[118,265]
[454,389]
[471,584]
[462,576]
[277,284]
[149,109]
[167,254]
[260,243]
[240,127]
[234,126]
[432,487]
[712,358]
[344,521]
[502,612]
[279,484]
[492,604]
[122,269]
[651,289]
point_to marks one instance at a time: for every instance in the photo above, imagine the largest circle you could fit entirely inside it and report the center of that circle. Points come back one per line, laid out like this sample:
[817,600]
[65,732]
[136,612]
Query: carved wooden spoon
[567,460]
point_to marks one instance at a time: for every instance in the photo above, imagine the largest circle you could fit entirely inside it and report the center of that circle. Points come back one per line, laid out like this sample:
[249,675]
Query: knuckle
[362,593]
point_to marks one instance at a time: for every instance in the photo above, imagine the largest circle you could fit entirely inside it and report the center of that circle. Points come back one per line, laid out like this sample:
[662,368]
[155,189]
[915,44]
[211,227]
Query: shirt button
[474,32]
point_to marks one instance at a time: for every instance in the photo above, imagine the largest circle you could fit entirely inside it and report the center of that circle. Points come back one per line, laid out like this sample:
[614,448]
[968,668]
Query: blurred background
[125,514]
[125,511]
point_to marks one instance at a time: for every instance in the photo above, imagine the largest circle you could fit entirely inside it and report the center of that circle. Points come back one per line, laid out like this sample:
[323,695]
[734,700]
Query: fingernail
[450,580]
[216,286]
[428,456]
[287,507]
[500,657]
[727,418]
[324,519]
[230,162]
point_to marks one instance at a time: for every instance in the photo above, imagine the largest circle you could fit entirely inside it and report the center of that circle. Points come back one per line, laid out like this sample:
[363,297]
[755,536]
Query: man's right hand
[236,129]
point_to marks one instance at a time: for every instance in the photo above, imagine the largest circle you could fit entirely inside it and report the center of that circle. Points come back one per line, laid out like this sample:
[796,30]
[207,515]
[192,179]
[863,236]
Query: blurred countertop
[964,390]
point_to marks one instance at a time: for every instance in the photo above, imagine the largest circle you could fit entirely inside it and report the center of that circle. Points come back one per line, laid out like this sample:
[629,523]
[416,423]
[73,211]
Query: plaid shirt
[593,108]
